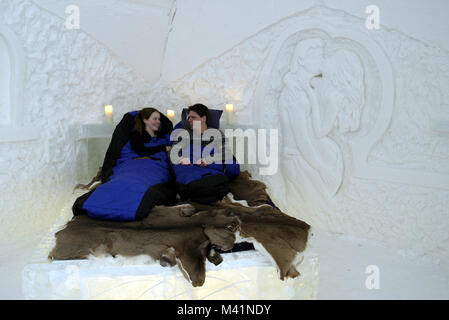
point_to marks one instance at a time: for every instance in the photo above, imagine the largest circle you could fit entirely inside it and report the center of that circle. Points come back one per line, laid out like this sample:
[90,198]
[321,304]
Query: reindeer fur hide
[187,234]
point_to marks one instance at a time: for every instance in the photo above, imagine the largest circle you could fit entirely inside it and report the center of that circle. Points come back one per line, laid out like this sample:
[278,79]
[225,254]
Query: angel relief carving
[322,91]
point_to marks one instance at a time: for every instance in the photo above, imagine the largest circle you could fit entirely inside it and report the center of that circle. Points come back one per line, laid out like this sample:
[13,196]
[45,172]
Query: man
[206,164]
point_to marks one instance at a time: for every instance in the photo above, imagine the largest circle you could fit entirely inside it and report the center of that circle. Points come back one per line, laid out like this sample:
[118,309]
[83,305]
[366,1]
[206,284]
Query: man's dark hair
[202,111]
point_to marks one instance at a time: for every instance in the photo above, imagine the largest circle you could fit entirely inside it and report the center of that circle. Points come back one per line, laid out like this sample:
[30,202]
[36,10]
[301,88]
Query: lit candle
[229,113]
[171,115]
[109,113]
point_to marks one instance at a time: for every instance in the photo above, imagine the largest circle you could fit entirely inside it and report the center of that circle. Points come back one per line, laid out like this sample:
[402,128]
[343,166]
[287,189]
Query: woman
[147,139]
[140,172]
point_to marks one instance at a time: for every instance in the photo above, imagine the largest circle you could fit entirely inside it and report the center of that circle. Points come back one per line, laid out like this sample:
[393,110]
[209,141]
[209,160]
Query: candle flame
[108,109]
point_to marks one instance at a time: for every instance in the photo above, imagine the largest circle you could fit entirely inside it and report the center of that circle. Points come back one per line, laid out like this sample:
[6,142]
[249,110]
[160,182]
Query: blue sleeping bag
[131,186]
[204,184]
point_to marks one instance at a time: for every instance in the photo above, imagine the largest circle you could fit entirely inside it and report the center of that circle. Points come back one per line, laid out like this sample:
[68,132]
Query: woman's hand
[167,148]
[185,162]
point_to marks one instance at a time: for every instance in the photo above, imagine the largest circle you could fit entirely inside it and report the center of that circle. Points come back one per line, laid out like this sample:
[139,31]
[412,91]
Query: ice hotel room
[340,110]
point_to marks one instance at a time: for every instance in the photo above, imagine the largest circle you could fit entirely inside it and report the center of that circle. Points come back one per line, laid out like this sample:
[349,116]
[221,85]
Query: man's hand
[201,162]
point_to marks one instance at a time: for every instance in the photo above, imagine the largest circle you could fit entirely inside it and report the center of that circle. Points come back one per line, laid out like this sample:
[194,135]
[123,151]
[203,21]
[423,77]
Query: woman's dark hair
[145,113]
[202,111]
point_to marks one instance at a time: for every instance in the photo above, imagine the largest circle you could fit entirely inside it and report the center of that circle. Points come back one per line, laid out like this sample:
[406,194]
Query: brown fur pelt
[92,184]
[186,234]
[253,191]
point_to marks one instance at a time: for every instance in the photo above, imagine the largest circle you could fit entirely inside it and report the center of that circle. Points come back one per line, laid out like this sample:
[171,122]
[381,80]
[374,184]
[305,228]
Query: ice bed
[242,275]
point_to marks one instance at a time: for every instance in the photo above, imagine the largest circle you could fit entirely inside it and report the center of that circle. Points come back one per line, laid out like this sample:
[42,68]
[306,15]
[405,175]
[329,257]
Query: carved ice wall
[5,83]
[11,79]
[67,78]
[362,119]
